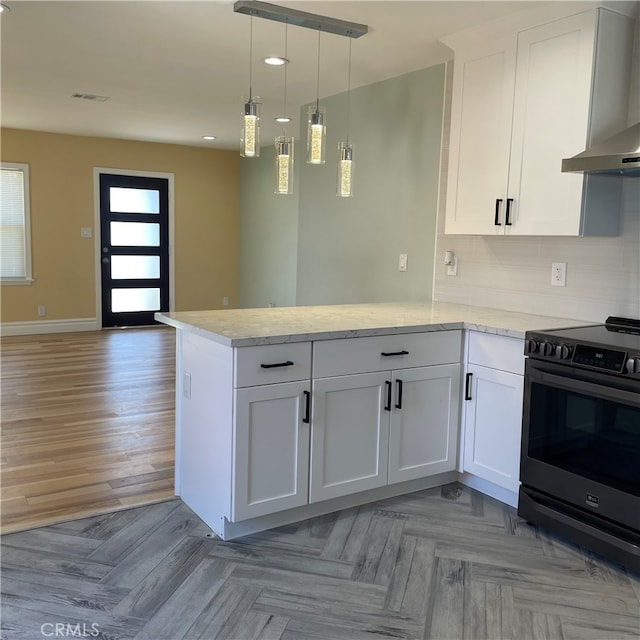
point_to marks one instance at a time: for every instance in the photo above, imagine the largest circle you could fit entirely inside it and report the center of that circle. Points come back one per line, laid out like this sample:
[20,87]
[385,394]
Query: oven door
[581,441]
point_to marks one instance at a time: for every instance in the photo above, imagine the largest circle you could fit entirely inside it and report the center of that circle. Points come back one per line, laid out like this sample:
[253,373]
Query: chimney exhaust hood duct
[617,155]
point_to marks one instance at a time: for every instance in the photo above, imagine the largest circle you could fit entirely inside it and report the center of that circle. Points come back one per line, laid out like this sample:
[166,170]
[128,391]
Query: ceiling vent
[90,96]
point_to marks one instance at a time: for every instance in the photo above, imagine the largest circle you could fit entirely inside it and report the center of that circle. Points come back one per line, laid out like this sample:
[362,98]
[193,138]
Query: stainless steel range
[580,463]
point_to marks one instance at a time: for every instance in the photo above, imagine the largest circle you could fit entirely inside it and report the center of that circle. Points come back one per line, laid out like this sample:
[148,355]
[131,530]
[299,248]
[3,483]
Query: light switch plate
[402,262]
[186,386]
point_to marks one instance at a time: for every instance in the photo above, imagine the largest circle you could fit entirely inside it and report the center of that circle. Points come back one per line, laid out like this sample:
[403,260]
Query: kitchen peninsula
[288,413]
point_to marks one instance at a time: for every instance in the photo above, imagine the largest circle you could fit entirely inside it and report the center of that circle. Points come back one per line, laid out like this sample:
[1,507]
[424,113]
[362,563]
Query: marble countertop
[277,325]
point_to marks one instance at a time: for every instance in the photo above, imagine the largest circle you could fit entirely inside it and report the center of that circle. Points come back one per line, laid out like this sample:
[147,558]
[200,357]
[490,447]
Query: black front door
[134,235]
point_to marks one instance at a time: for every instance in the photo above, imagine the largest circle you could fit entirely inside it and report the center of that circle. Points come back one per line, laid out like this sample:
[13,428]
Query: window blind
[14,223]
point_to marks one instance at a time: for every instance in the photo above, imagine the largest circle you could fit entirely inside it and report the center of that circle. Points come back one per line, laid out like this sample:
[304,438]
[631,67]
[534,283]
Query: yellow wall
[62,200]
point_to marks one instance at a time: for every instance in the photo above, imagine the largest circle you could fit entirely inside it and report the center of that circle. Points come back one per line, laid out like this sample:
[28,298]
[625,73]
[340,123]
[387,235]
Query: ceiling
[175,71]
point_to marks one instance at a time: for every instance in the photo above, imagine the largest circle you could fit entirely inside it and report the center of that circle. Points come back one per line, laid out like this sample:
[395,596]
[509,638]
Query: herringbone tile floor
[442,563]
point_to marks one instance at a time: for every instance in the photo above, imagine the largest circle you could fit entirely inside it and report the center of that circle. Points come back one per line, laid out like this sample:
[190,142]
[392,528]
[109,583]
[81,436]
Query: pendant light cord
[318,82]
[250,55]
[349,91]
[286,64]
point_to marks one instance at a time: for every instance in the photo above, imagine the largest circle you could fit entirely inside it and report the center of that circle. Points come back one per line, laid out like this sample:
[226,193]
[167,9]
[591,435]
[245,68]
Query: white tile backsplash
[514,273]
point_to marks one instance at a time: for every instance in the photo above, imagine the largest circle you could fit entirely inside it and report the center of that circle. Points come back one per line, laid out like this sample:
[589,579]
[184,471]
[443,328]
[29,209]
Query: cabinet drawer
[363,355]
[496,352]
[267,364]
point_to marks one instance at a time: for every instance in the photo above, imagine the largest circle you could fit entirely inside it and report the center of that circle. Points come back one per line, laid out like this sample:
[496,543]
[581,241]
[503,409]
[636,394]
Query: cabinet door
[493,426]
[550,122]
[481,111]
[271,449]
[423,436]
[349,435]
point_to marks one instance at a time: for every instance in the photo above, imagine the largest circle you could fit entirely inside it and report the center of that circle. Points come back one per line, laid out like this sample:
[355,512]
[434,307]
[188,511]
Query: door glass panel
[135,234]
[135,267]
[123,300]
[126,200]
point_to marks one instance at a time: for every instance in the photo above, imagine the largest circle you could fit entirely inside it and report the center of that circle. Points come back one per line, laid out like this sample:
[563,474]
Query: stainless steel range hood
[618,155]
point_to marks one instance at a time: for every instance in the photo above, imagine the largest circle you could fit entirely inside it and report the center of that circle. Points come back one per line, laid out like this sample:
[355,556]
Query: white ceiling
[175,71]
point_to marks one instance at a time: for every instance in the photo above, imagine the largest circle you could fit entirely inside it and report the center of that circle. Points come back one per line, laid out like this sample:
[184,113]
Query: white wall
[514,273]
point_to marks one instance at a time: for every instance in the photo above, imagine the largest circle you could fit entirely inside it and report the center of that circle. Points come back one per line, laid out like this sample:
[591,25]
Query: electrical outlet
[402,262]
[558,274]
[42,310]
[225,301]
[85,232]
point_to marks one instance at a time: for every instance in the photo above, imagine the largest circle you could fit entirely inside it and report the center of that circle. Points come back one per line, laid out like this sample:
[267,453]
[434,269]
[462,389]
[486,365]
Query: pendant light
[284,165]
[344,183]
[284,143]
[316,128]
[250,134]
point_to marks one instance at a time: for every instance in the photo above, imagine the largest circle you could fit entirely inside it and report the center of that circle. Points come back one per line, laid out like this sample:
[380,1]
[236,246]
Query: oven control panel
[588,356]
[598,358]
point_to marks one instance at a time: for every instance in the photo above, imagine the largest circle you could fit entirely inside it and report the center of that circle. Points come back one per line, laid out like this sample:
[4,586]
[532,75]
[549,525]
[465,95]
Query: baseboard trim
[489,489]
[231,530]
[35,327]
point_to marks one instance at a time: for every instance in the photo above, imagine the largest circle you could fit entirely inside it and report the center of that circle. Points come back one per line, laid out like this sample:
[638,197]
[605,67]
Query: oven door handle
[581,386]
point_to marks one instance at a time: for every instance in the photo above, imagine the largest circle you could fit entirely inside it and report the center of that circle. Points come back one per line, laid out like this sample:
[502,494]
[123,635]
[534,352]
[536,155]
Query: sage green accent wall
[348,248]
[316,248]
[268,236]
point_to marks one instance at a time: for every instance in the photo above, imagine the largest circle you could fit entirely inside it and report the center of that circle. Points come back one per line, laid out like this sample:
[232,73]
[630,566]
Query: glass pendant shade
[250,134]
[316,135]
[284,165]
[344,188]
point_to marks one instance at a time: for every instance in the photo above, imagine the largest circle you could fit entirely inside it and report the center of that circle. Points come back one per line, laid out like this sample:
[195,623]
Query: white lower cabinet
[386,426]
[423,436]
[271,449]
[263,430]
[493,409]
[350,435]
[492,426]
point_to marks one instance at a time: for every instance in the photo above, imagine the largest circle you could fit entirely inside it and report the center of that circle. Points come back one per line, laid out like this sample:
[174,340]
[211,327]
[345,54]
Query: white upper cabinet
[481,113]
[521,103]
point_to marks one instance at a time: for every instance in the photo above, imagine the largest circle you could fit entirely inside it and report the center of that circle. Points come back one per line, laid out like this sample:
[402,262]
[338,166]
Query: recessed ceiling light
[275,61]
[4,7]
[208,137]
[283,119]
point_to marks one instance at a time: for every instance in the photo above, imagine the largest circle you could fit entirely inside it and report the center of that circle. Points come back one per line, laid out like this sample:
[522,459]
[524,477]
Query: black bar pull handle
[496,220]
[288,363]
[394,353]
[467,387]
[399,395]
[307,410]
[507,217]
[387,407]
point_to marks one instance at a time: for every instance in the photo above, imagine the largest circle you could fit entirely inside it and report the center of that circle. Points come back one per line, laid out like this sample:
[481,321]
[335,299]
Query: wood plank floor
[87,423]
[446,563]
